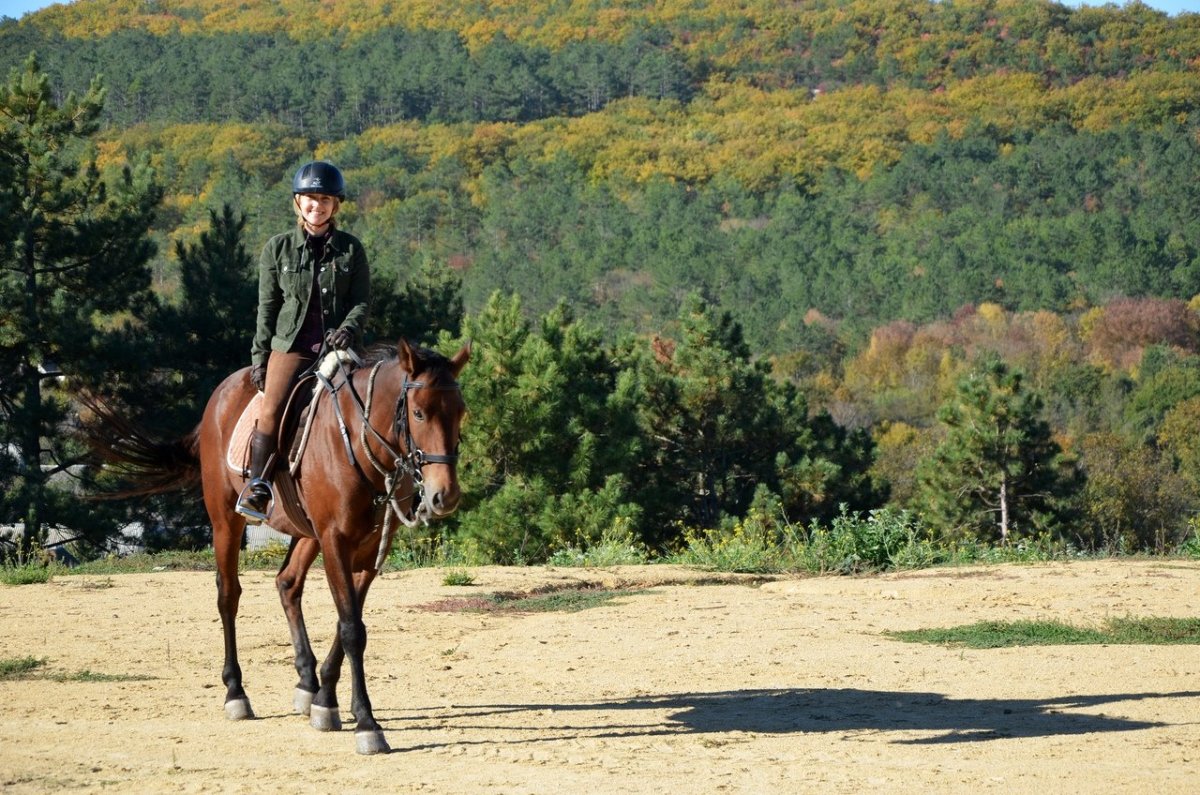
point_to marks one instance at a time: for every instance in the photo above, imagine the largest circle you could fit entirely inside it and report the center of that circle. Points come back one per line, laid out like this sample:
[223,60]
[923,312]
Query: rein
[409,463]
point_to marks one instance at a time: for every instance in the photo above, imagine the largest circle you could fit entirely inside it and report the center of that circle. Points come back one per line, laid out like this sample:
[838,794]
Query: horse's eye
[418,415]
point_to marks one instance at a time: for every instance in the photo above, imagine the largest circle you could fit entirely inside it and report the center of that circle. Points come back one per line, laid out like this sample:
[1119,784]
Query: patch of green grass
[268,558]
[750,546]
[457,576]
[146,563]
[617,546]
[411,551]
[93,676]
[1000,634]
[19,667]
[29,573]
[1155,630]
[33,668]
[566,599]
[570,600]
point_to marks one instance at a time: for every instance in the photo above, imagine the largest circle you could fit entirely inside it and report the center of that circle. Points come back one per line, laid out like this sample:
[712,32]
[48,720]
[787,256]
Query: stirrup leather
[248,492]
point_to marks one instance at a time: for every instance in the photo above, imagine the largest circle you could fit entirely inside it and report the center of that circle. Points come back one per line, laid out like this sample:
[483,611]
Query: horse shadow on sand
[917,718]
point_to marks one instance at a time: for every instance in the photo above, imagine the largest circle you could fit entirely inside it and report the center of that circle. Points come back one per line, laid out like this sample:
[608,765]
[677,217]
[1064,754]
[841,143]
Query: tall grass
[880,540]
[29,573]
[617,546]
[763,542]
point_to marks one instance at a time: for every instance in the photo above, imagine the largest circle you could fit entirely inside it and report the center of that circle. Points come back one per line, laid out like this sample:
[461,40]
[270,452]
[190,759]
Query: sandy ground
[686,687]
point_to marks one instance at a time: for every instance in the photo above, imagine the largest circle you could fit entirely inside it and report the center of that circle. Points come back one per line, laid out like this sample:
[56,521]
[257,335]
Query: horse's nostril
[442,501]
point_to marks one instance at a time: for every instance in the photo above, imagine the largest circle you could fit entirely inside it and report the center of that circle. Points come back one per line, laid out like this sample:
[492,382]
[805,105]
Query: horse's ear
[459,360]
[406,356]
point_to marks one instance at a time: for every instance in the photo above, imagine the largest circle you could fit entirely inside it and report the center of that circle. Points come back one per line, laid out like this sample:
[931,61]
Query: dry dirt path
[783,686]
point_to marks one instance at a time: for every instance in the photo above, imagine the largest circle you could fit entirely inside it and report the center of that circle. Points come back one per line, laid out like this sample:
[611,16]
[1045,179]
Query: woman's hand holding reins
[258,377]
[341,339]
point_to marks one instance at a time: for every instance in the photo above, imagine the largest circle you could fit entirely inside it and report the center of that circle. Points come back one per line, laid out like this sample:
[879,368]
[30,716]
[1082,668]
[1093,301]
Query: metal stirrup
[245,510]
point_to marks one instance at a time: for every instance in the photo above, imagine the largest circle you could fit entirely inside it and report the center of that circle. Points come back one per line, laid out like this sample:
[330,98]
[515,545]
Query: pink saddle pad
[238,454]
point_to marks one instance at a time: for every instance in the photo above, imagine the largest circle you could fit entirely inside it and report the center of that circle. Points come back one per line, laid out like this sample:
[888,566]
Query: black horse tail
[144,464]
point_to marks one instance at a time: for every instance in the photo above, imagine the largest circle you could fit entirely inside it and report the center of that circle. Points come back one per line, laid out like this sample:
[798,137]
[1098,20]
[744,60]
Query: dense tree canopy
[792,159]
[854,202]
[73,260]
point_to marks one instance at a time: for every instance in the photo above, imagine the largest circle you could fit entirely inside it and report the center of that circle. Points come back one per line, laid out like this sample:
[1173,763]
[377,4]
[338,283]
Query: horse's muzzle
[441,502]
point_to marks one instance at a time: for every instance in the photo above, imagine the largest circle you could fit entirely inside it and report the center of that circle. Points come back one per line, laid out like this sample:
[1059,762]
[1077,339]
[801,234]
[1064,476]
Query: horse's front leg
[348,591]
[290,584]
[326,718]
[362,583]
[325,715]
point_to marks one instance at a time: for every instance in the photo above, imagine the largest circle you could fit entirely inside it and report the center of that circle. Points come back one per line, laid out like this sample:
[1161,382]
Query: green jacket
[285,274]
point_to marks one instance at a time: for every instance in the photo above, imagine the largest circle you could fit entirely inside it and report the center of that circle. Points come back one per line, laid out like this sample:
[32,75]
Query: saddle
[298,411]
[237,455]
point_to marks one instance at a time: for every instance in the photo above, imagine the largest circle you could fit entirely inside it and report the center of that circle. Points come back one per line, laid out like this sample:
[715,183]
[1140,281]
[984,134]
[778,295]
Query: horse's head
[429,416]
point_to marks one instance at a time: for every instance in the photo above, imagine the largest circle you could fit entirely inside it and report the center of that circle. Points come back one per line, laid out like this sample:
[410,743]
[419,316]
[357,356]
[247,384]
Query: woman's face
[316,209]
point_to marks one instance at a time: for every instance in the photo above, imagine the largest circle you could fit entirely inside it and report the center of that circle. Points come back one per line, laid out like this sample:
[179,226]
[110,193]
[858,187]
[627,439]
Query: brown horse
[380,447]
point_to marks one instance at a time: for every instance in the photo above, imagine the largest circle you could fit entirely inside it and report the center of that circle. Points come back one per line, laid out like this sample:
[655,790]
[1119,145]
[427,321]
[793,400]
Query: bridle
[417,457]
[409,463]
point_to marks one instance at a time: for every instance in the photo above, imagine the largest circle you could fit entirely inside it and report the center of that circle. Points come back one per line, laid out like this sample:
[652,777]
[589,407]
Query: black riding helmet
[319,177]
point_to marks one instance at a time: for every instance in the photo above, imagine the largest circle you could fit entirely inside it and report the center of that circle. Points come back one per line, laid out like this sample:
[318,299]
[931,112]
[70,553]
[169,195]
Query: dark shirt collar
[331,238]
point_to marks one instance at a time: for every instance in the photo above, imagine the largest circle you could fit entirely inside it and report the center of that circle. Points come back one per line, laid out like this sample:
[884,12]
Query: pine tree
[546,446]
[706,409]
[998,472]
[207,336]
[72,274]
[720,432]
[429,303]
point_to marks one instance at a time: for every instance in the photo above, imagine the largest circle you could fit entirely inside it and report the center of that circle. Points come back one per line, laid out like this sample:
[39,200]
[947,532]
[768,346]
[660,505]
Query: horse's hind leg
[290,583]
[227,542]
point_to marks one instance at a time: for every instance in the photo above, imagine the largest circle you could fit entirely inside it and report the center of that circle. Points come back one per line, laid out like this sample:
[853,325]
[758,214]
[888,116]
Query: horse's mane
[425,358]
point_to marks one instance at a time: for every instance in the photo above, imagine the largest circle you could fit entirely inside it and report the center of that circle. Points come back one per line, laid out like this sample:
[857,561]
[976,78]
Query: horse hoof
[370,742]
[238,709]
[325,719]
[302,701]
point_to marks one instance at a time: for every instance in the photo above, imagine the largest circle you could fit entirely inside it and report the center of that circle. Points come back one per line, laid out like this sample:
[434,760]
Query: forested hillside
[868,160]
[880,195]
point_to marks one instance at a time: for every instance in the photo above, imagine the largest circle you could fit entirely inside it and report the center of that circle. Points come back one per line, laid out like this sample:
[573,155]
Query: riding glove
[258,377]
[342,338]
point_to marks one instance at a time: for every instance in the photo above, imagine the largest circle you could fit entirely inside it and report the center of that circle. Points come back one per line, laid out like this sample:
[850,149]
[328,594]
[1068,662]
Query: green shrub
[1190,547]
[29,573]
[756,544]
[458,576]
[19,667]
[1037,549]
[524,521]
[617,546]
[886,538]
[413,551]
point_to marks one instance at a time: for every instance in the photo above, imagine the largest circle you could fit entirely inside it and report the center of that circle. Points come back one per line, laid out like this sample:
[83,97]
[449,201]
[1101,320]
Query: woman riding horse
[312,281]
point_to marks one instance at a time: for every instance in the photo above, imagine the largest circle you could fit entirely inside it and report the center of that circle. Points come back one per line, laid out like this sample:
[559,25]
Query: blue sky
[18,8]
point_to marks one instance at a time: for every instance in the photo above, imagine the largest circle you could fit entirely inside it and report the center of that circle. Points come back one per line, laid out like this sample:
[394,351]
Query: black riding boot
[255,500]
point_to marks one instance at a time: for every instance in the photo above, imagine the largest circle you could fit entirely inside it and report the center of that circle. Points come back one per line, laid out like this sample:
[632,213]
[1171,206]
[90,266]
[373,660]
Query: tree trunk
[30,412]
[1004,510]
